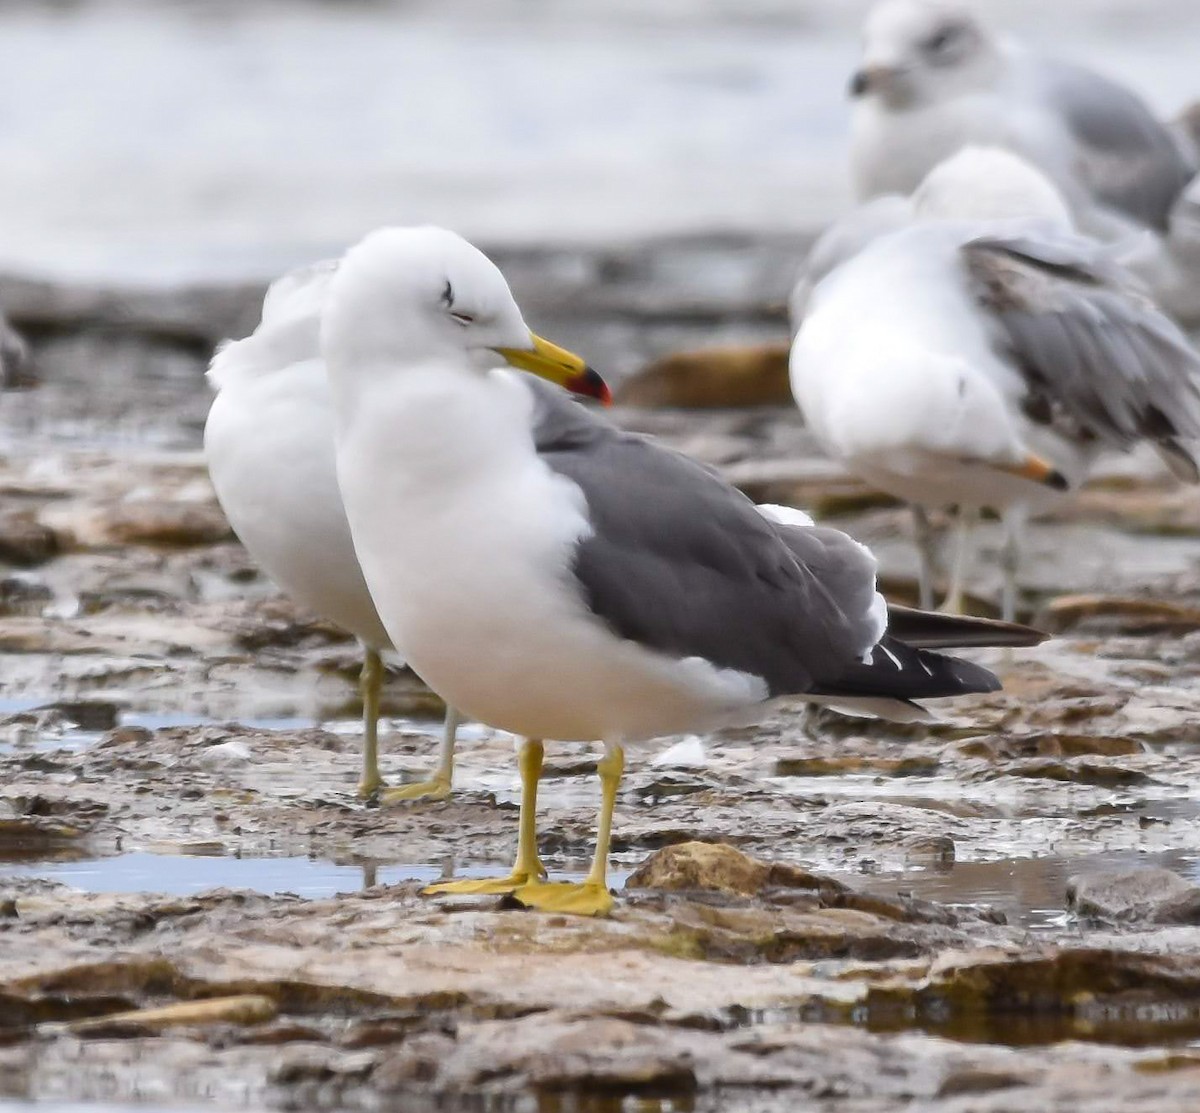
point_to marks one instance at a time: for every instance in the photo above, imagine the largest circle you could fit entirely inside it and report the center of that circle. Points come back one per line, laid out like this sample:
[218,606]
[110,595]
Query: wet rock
[165,524]
[321,1065]
[1096,772]
[712,378]
[700,865]
[241,1010]
[1103,614]
[225,755]
[20,595]
[32,835]
[933,851]
[836,766]
[24,540]
[972,1080]
[1132,896]
[87,714]
[1050,744]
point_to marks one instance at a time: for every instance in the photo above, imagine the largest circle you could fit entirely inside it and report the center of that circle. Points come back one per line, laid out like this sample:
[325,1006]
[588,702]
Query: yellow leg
[591,896]
[955,601]
[528,865]
[369,683]
[439,785]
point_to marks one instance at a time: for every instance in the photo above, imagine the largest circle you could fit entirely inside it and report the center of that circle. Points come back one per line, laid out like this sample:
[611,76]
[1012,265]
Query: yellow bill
[557,365]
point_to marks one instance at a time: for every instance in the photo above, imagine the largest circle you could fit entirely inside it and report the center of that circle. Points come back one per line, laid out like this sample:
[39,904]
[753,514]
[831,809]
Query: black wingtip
[934,630]
[900,671]
[1056,481]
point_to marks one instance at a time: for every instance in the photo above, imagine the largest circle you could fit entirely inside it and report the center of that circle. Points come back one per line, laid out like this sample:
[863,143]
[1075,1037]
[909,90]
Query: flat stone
[1131,896]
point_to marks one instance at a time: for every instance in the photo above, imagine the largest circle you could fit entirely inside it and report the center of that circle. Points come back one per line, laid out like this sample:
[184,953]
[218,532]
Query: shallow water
[187,874]
[1030,892]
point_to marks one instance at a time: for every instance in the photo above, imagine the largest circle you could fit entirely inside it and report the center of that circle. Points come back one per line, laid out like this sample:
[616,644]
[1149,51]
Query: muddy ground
[997,911]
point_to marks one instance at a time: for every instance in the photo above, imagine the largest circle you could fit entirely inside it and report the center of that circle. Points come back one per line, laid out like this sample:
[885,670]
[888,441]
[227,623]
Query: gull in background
[558,578]
[934,78]
[983,353]
[269,446]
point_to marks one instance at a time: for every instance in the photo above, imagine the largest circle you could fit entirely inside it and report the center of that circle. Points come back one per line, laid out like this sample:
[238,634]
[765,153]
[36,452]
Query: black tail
[898,671]
[928,630]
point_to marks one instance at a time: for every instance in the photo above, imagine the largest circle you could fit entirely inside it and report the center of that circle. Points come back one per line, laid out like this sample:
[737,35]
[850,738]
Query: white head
[918,52]
[988,183]
[406,296]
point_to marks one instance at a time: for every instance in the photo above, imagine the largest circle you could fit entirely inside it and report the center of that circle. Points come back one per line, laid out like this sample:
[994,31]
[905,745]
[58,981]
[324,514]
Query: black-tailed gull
[563,580]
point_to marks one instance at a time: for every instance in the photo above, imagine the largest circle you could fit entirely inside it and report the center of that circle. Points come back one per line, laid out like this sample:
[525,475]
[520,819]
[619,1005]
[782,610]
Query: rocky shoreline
[998,911]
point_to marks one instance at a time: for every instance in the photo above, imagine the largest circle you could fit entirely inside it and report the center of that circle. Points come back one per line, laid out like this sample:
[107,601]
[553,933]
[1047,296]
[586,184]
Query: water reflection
[184,875]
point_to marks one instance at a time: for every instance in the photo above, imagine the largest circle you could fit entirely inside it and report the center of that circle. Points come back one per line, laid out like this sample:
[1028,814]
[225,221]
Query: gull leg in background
[589,897]
[369,683]
[528,867]
[964,522]
[1010,558]
[438,786]
[923,537]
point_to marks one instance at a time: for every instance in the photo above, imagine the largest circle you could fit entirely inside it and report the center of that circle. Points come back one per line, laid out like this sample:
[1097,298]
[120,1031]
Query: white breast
[467,541]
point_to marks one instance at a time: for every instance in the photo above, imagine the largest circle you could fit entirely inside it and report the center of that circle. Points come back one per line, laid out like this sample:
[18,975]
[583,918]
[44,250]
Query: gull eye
[942,39]
[448,302]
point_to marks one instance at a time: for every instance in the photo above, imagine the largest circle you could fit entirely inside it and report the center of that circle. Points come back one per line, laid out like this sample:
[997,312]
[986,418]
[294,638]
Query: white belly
[467,541]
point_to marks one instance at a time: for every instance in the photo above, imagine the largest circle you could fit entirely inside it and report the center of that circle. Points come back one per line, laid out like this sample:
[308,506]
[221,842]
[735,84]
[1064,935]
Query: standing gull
[560,579]
[980,362]
[270,452]
[934,79]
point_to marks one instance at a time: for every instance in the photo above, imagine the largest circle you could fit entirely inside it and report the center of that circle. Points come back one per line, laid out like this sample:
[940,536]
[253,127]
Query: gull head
[424,296]
[917,52]
[988,183]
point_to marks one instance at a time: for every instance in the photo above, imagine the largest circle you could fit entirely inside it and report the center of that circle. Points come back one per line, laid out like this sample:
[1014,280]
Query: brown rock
[856,763]
[712,378]
[701,865]
[1112,613]
[24,540]
[1050,744]
[168,523]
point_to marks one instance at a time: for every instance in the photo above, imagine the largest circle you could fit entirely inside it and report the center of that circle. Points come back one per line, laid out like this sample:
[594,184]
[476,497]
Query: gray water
[154,140]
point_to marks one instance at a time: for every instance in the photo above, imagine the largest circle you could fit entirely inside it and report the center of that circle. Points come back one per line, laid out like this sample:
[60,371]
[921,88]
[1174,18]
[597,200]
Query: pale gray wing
[680,562]
[1129,160]
[1099,359]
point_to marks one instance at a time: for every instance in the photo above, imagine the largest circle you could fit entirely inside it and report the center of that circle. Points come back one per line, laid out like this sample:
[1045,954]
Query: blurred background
[157,141]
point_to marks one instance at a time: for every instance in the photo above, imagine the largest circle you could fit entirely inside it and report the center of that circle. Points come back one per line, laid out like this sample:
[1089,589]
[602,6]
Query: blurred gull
[269,446]
[982,354]
[934,79]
